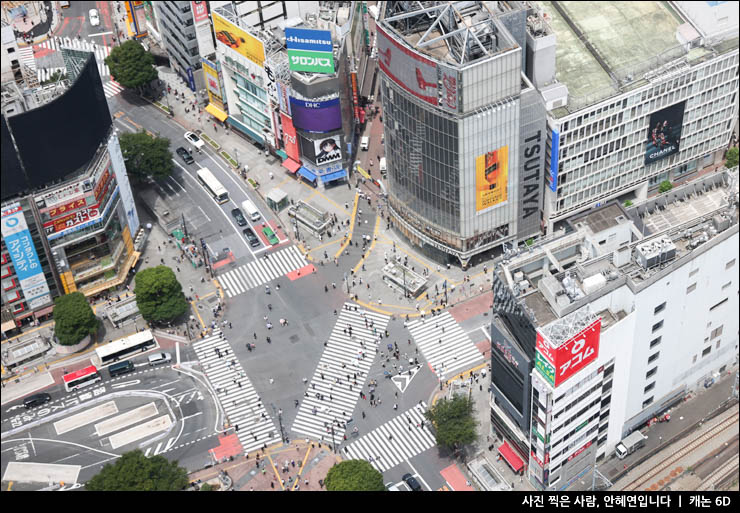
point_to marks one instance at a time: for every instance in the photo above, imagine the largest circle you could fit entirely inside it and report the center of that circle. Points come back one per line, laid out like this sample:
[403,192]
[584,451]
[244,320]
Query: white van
[159,358]
[250,210]
[365,143]
[383,167]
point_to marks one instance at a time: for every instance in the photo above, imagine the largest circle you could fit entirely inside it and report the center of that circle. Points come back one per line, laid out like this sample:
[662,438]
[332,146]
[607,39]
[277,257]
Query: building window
[649,387]
[657,326]
[726,285]
[653,357]
[691,288]
[706,351]
[717,344]
[655,342]
[659,308]
[730,264]
[719,304]
[647,401]
[651,372]
[716,332]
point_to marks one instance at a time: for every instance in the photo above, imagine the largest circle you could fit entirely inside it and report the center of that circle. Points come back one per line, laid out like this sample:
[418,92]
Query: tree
[159,295]
[354,476]
[146,156]
[453,421]
[135,472]
[665,186]
[732,158]
[73,318]
[131,66]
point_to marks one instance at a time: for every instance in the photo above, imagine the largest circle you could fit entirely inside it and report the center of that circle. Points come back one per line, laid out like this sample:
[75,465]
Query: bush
[628,203]
[354,476]
[732,158]
[665,186]
[73,318]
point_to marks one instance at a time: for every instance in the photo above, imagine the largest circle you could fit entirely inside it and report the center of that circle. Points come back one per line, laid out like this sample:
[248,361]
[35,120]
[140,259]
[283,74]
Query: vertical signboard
[200,11]
[554,160]
[413,72]
[290,139]
[271,83]
[282,92]
[237,39]
[558,364]
[309,50]
[127,197]
[202,27]
[491,178]
[449,81]
[25,259]
[213,85]
[664,133]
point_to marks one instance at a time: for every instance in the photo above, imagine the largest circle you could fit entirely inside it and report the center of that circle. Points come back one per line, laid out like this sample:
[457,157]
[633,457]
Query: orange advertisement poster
[491,178]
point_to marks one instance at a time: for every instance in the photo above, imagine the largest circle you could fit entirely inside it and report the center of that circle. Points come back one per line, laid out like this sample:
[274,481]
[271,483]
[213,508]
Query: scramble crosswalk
[25,56]
[261,271]
[237,396]
[394,442]
[332,393]
[445,346]
[100,51]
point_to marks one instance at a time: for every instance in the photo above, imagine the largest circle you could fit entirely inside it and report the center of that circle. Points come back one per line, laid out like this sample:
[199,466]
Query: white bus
[125,347]
[81,378]
[212,185]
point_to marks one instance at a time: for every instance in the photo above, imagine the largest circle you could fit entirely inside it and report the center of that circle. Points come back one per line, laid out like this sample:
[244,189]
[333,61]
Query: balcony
[105,282]
[85,270]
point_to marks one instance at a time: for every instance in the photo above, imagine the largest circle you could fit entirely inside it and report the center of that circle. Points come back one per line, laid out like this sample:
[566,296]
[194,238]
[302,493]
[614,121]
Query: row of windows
[574,402]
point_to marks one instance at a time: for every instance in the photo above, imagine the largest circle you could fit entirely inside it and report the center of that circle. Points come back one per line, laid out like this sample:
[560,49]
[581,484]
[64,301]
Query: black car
[240,219]
[36,400]
[411,482]
[251,237]
[185,155]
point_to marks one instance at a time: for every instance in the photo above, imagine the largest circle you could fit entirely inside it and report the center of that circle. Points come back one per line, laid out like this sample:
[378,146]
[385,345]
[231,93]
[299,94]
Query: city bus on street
[81,378]
[125,347]
[212,185]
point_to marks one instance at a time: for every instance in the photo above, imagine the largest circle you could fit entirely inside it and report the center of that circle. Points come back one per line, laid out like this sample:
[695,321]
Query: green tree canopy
[73,318]
[159,295]
[665,186]
[135,472]
[732,158]
[628,203]
[146,156]
[354,476]
[454,422]
[130,65]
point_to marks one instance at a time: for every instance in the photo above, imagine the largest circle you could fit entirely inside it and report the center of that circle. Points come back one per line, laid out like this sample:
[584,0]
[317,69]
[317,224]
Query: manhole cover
[293,339]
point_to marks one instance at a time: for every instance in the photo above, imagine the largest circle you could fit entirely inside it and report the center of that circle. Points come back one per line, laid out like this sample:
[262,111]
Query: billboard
[491,178]
[200,11]
[664,133]
[124,188]
[411,71]
[58,210]
[23,254]
[237,39]
[315,116]
[213,85]
[322,151]
[290,139]
[449,81]
[309,50]
[571,356]
[554,160]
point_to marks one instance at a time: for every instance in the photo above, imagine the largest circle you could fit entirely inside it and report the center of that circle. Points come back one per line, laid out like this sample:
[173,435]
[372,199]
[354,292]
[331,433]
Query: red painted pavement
[472,307]
[278,231]
[229,445]
[301,273]
[456,479]
[225,261]
[484,346]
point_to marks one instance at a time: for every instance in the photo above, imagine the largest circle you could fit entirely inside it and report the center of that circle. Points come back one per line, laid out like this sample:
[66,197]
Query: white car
[94,18]
[194,139]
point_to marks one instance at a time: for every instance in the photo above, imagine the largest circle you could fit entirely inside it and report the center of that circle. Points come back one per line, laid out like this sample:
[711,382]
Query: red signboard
[102,185]
[450,87]
[574,354]
[200,12]
[355,99]
[73,219]
[290,138]
[579,451]
[63,209]
[410,70]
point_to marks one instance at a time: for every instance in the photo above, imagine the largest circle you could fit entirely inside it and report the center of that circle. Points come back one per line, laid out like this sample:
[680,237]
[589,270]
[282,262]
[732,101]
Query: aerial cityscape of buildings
[527,204]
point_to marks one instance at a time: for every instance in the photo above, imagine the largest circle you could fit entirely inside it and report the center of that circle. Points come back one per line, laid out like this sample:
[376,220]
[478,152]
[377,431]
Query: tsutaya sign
[558,363]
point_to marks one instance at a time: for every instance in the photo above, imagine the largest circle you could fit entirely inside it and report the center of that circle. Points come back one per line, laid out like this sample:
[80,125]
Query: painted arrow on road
[402,380]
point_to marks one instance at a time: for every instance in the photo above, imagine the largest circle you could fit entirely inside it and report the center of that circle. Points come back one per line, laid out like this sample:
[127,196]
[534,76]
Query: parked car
[251,237]
[239,217]
[411,482]
[94,18]
[186,156]
[194,139]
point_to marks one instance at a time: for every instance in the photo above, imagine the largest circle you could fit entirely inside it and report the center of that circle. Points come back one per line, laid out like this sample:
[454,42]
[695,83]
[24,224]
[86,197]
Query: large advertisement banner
[23,254]
[570,357]
[327,150]
[124,187]
[309,50]
[449,80]
[554,160]
[416,74]
[290,138]
[237,39]
[316,116]
[664,133]
[213,85]
[491,178]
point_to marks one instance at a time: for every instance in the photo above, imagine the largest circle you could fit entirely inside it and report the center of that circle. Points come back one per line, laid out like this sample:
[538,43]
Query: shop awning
[282,154]
[514,461]
[291,165]
[330,177]
[7,326]
[44,311]
[216,112]
[305,173]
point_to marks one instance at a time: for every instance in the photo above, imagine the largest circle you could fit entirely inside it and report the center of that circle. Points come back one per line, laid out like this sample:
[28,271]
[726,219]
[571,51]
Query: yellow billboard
[491,178]
[237,39]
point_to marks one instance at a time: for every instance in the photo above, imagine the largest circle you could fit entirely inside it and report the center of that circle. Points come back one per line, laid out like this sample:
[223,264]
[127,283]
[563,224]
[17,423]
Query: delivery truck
[634,441]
